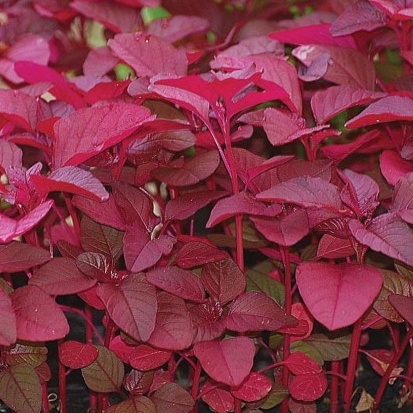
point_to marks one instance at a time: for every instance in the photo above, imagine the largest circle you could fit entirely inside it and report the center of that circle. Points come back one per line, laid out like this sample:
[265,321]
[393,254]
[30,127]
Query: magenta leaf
[60,276]
[388,109]
[337,295]
[191,172]
[403,197]
[18,256]
[226,361]
[255,387]
[144,357]
[343,66]
[186,205]
[393,166]
[11,228]
[299,363]
[398,10]
[387,234]
[336,99]
[241,203]
[177,281]
[10,155]
[308,387]
[73,180]
[331,247]
[403,305]
[38,317]
[172,398]
[305,191]
[217,398]
[149,55]
[173,328]
[96,266]
[223,280]
[256,311]
[7,320]
[99,61]
[132,305]
[89,131]
[76,355]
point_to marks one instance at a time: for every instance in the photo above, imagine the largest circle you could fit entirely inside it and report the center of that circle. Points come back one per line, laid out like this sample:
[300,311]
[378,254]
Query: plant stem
[335,369]
[237,405]
[45,398]
[62,383]
[352,364]
[195,384]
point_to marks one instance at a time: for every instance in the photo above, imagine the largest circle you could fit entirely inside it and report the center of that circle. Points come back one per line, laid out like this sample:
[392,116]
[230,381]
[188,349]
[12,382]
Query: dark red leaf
[217,398]
[7,320]
[404,305]
[308,387]
[145,357]
[172,398]
[76,355]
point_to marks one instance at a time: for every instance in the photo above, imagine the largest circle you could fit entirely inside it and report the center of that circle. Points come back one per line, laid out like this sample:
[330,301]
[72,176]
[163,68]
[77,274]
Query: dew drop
[138,35]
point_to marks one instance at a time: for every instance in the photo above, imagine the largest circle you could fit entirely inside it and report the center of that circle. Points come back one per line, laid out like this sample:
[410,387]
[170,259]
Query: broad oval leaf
[177,281]
[20,388]
[105,374]
[255,387]
[308,387]
[300,363]
[172,398]
[38,317]
[7,320]
[97,266]
[132,305]
[76,355]
[337,295]
[219,399]
[145,357]
[60,276]
[255,311]
[337,348]
[227,361]
[19,256]
[135,404]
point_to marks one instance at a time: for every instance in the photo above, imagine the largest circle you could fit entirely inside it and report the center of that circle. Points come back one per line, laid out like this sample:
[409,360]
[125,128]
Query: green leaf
[105,374]
[275,397]
[337,348]
[308,350]
[20,389]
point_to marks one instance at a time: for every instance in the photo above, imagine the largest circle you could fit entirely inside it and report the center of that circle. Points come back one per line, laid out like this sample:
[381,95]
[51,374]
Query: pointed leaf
[19,256]
[404,305]
[76,355]
[132,305]
[331,247]
[226,361]
[403,197]
[105,374]
[338,295]
[331,348]
[20,388]
[387,234]
[96,266]
[197,253]
[181,283]
[172,398]
[255,311]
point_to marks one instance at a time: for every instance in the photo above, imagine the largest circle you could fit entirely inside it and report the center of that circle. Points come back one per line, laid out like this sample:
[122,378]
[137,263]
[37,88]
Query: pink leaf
[38,317]
[331,247]
[344,66]
[387,234]
[99,61]
[306,191]
[10,155]
[403,197]
[145,357]
[89,131]
[73,180]
[255,387]
[149,55]
[173,329]
[223,280]
[398,10]
[76,355]
[60,276]
[19,256]
[388,109]
[7,320]
[181,283]
[241,203]
[336,99]
[393,166]
[11,228]
[227,361]
[132,305]
[299,363]
[308,387]
[313,34]
[256,311]
[337,295]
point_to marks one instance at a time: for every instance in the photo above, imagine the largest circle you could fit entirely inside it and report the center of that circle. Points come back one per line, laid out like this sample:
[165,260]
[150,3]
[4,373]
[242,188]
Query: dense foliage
[227,185]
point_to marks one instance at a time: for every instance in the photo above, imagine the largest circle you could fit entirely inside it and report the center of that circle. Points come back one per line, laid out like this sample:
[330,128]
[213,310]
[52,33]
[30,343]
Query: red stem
[237,405]
[45,398]
[195,384]
[334,386]
[62,383]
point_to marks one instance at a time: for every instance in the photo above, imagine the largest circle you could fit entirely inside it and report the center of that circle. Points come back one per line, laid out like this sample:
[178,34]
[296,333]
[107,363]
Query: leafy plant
[226,186]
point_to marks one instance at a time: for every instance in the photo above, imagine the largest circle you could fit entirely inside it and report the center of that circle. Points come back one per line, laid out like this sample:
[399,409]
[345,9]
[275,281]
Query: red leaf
[96,266]
[223,280]
[197,253]
[403,305]
[299,363]
[173,329]
[10,155]
[403,197]
[76,355]
[219,399]
[89,131]
[145,357]
[132,305]
[60,276]
[308,387]
[255,311]
[181,283]
[331,247]
[7,320]
[149,55]
[255,387]
[387,109]
[393,166]
[172,398]
[337,295]
[38,317]
[379,359]
[226,361]
[73,180]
